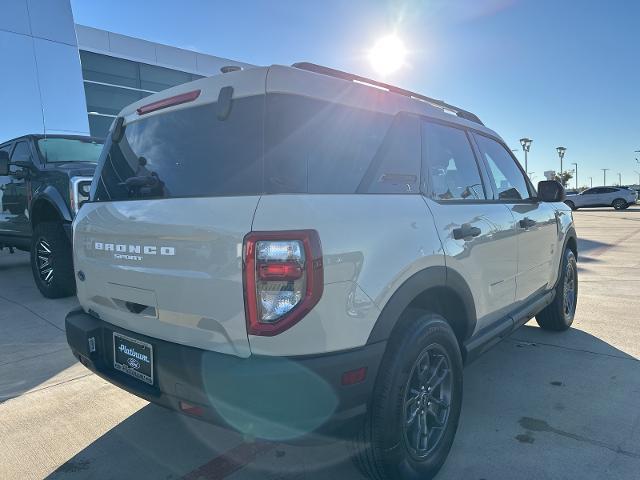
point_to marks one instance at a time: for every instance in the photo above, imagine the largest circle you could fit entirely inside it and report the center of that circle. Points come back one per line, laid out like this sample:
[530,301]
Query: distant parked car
[616,197]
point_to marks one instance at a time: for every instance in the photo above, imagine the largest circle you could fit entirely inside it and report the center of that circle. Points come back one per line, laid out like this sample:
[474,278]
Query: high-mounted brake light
[283,279]
[169,102]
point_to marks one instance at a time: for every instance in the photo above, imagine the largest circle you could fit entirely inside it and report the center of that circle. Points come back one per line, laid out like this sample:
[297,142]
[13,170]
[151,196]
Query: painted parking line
[231,461]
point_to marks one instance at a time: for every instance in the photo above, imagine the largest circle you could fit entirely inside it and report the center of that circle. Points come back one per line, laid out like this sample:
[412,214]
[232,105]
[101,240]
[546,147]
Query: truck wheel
[558,315]
[416,403]
[571,205]
[619,204]
[52,261]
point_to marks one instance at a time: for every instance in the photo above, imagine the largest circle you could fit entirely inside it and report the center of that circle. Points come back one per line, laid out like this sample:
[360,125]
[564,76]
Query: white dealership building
[60,77]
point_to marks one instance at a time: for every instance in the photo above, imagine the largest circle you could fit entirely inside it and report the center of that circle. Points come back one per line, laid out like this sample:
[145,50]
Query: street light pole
[619,179]
[638,176]
[591,179]
[526,146]
[605,175]
[576,165]
[561,151]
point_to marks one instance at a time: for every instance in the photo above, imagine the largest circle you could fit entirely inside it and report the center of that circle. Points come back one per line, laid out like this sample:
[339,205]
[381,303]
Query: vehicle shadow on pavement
[538,405]
[33,347]
[589,250]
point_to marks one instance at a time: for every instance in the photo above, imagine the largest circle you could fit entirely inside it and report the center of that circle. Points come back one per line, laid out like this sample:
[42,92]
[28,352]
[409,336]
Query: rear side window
[22,153]
[508,179]
[451,164]
[186,153]
[313,146]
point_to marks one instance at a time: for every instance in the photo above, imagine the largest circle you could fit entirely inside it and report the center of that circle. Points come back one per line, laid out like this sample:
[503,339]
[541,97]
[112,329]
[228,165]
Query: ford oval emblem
[133,363]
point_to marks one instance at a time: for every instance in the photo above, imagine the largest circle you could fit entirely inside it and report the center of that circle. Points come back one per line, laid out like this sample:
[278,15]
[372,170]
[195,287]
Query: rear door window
[186,153]
[314,146]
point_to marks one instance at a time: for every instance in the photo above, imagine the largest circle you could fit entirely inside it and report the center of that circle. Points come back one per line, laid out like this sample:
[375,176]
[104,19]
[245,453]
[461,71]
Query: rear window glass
[61,150]
[303,146]
[186,153]
[321,147]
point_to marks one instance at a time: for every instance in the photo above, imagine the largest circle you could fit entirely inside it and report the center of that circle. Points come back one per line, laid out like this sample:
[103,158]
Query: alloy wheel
[45,261]
[570,291]
[427,401]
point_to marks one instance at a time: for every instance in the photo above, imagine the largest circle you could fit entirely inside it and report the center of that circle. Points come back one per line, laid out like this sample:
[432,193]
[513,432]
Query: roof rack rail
[312,67]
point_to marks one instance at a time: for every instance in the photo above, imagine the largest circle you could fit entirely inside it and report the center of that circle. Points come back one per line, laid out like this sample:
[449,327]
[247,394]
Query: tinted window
[451,164]
[396,166]
[610,190]
[22,153]
[508,179]
[187,152]
[319,147]
[591,191]
[59,150]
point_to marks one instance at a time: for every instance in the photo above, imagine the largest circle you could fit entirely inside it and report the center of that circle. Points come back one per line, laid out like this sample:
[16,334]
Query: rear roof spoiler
[312,67]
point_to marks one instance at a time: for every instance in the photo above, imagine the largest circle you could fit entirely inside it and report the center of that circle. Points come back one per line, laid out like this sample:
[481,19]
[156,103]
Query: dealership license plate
[133,357]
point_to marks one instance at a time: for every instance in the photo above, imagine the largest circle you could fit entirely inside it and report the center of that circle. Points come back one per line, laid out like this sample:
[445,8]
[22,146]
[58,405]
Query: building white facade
[59,77]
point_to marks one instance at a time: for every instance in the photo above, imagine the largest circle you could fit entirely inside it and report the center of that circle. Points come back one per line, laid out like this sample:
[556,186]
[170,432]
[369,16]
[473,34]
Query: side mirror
[4,163]
[551,191]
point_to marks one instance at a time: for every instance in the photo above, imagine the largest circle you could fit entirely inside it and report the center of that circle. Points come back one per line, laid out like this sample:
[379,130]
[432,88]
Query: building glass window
[112,83]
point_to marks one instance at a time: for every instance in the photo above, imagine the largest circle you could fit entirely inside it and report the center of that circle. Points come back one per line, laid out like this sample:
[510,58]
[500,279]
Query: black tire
[382,448]
[571,205]
[558,315]
[619,204]
[52,271]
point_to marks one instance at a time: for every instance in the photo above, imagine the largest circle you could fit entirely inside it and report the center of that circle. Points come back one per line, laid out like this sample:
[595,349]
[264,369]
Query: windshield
[62,150]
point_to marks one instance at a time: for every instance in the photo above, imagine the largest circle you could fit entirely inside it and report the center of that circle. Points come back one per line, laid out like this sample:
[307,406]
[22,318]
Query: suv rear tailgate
[168,268]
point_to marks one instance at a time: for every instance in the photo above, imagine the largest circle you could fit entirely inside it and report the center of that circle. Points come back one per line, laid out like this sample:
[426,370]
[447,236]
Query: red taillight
[280,271]
[169,102]
[283,279]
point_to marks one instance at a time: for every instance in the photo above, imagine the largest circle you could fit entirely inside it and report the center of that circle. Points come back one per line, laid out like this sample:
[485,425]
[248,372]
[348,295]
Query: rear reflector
[191,409]
[354,376]
[169,102]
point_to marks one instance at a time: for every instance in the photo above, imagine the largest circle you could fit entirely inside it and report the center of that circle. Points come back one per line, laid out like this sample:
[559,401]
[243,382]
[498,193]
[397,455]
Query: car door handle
[466,231]
[527,223]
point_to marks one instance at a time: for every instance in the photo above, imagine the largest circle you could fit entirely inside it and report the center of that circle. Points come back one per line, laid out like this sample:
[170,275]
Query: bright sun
[387,55]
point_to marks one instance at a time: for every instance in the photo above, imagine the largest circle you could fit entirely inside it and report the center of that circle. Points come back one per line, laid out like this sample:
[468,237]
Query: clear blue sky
[560,72]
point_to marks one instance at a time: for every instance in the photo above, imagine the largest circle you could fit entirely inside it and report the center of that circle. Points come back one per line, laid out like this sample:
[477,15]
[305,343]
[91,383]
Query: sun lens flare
[388,55]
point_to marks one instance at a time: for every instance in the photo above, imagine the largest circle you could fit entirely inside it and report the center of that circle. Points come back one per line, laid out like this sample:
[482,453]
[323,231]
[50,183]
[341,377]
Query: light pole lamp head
[561,151]
[526,144]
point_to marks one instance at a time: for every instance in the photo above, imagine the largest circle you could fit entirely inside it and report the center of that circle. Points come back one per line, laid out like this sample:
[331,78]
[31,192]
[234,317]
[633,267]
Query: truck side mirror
[4,163]
[551,191]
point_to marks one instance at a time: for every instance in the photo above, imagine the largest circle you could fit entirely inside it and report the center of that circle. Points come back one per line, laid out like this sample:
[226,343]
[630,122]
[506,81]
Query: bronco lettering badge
[123,251]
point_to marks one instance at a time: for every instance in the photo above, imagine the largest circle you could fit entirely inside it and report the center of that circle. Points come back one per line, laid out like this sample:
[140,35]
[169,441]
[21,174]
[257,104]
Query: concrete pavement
[536,406]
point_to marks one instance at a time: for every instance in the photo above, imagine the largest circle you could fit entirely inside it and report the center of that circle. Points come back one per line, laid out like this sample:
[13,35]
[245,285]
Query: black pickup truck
[43,182]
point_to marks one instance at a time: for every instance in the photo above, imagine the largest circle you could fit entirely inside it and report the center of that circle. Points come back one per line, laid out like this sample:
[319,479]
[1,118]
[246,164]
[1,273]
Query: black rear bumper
[277,398]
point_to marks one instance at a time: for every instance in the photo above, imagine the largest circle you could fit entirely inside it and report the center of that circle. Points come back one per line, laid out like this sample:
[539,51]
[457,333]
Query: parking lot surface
[537,406]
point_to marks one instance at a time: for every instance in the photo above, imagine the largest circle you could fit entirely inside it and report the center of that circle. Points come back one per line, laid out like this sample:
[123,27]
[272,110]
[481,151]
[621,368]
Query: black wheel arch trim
[420,282]
[53,197]
[571,235]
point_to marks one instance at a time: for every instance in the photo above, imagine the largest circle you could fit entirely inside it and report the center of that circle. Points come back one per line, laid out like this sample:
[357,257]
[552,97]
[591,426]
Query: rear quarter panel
[371,244]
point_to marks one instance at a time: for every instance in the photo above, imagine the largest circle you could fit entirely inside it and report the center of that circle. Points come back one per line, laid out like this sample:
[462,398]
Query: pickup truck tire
[619,204]
[571,205]
[558,315]
[52,261]
[419,387]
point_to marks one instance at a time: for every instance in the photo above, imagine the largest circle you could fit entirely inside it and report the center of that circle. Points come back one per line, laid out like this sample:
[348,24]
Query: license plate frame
[130,355]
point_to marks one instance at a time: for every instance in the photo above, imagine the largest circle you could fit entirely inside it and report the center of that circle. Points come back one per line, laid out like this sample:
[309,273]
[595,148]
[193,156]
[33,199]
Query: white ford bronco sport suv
[297,250]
